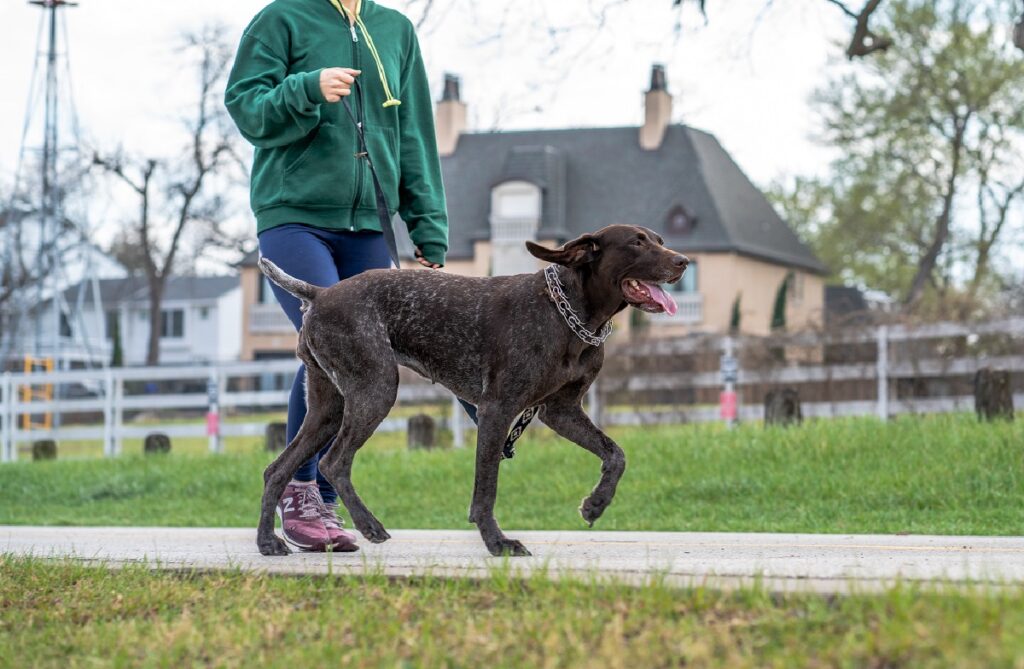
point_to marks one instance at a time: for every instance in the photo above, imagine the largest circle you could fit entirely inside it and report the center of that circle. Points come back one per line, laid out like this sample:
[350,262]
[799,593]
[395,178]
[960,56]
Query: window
[204,313]
[680,221]
[688,284]
[172,323]
[515,217]
[113,323]
[65,325]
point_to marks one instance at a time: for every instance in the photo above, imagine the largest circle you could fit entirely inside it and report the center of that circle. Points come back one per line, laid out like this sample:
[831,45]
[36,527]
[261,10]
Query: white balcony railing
[691,311]
[268,319]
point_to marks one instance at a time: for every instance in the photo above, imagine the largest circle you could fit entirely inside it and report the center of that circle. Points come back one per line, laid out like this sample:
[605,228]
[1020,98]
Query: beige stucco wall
[251,343]
[723,276]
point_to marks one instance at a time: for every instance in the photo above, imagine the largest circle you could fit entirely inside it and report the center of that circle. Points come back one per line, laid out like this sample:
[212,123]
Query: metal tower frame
[51,206]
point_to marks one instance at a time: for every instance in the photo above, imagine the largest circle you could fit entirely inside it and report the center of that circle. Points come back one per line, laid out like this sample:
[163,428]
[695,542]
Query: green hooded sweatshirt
[305,168]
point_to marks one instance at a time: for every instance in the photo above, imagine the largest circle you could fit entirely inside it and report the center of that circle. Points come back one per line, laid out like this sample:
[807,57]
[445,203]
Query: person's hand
[423,261]
[336,82]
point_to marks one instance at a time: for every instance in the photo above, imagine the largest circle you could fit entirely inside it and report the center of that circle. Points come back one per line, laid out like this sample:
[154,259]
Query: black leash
[508,451]
[383,212]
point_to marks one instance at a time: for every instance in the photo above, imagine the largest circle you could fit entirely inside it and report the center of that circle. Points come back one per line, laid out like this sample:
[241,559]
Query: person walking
[312,191]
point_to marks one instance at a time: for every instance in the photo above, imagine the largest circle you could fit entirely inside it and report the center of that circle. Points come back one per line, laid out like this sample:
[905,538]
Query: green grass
[65,615]
[936,475]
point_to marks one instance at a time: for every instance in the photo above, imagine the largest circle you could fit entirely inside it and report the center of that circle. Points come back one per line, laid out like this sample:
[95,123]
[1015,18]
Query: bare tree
[175,196]
[863,38]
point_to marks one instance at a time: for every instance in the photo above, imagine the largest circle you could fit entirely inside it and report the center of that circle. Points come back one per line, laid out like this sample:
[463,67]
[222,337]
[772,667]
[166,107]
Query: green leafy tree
[736,316]
[930,135]
[779,309]
[117,349]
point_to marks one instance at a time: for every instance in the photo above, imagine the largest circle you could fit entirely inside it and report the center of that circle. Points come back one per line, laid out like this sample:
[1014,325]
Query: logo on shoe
[288,504]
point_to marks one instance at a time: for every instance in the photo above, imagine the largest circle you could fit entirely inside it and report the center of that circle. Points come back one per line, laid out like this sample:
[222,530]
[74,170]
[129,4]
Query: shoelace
[309,502]
[330,517]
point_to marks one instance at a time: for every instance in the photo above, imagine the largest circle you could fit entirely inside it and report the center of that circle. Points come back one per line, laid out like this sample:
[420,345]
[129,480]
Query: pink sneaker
[300,512]
[341,540]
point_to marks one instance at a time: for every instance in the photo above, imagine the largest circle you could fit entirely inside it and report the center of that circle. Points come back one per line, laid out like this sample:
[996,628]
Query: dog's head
[632,260]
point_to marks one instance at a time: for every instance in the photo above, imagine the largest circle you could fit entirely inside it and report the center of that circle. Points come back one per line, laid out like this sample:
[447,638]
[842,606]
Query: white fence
[107,397]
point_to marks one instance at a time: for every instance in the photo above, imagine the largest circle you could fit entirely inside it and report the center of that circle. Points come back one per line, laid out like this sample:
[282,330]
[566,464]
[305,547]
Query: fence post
[882,371]
[118,415]
[213,413]
[457,424]
[108,413]
[594,407]
[6,439]
[728,402]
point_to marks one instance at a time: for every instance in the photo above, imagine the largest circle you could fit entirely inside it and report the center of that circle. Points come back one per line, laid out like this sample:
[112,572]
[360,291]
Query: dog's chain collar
[575,324]
[569,315]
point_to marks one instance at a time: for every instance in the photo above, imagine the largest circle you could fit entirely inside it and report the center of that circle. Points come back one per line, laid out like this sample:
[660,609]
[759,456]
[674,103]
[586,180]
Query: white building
[201,322]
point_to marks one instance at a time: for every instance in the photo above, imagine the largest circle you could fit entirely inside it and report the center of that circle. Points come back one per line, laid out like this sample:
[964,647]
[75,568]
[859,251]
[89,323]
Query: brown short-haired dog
[504,343]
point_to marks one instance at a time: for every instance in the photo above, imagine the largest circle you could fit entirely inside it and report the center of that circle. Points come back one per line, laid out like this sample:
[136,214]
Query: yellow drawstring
[391,100]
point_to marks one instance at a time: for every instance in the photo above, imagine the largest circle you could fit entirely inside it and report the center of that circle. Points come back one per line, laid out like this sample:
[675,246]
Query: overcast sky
[745,76]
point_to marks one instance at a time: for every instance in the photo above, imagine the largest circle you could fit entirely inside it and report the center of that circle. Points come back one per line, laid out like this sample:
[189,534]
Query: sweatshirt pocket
[382,143]
[320,170]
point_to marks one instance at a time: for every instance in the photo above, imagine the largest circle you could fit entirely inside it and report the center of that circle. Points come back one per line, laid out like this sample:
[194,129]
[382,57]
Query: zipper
[360,167]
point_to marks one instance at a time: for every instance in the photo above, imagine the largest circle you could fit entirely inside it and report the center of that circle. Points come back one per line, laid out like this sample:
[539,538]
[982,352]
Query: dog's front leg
[493,428]
[566,417]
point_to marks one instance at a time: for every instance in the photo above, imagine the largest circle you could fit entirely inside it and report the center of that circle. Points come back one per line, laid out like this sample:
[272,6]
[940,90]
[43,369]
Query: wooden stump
[782,407]
[44,449]
[156,442]
[993,394]
[276,436]
[421,432]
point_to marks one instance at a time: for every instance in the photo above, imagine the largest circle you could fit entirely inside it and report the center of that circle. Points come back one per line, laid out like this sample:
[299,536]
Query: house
[200,324]
[550,186]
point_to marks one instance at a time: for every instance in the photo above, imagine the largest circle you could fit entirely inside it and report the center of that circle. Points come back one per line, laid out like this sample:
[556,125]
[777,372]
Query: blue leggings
[322,258]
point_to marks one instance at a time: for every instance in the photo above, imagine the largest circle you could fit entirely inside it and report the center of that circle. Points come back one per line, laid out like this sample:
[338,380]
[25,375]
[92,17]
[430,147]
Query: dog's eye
[638,242]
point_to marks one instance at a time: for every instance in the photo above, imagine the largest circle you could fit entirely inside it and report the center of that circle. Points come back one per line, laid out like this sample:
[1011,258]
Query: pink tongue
[662,298]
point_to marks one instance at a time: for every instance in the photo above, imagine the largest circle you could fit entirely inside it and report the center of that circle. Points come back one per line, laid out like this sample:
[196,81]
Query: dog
[504,343]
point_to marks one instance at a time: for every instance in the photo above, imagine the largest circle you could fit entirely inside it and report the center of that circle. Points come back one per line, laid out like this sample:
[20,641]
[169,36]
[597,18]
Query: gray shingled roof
[117,291]
[194,287]
[112,291]
[593,177]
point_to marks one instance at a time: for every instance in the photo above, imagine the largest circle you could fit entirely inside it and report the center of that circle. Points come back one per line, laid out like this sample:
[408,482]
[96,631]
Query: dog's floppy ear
[578,252]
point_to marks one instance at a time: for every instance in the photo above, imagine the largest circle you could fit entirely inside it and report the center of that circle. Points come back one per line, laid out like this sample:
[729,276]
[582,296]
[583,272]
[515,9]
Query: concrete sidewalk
[783,562]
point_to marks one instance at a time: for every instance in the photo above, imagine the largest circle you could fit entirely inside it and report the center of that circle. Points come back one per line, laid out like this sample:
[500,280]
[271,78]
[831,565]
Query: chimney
[657,110]
[450,116]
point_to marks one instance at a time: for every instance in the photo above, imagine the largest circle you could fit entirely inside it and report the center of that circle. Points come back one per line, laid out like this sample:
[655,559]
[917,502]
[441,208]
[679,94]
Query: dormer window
[680,221]
[515,218]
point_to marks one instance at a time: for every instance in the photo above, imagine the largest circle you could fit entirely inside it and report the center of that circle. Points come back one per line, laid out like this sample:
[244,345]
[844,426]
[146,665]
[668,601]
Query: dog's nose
[680,260]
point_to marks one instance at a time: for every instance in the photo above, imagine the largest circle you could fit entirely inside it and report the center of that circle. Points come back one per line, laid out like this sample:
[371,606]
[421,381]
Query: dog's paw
[272,546]
[591,508]
[506,546]
[373,531]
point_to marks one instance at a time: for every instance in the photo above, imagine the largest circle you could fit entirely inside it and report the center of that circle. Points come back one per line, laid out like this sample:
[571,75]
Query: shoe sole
[311,548]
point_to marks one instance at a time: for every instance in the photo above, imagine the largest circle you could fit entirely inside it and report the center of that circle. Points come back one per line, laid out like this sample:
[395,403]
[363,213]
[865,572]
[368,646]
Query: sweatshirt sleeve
[420,190]
[271,107]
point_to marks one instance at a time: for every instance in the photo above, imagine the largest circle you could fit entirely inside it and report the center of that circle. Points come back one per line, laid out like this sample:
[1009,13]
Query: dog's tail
[300,289]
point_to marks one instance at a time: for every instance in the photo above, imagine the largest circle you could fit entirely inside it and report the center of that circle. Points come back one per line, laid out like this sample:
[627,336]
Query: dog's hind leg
[494,421]
[325,409]
[564,414]
[367,404]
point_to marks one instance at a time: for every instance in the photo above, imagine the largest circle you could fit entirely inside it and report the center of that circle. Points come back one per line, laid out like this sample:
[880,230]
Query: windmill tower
[44,237]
